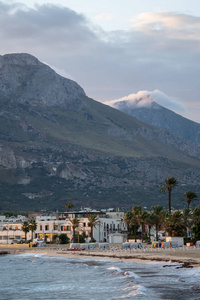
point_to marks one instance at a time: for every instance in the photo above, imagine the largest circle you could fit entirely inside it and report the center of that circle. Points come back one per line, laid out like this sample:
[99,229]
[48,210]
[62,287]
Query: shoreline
[187,257]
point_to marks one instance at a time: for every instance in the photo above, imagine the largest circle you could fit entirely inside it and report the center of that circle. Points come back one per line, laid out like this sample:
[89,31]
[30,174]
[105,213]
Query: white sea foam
[115,269]
[131,274]
[31,254]
[134,290]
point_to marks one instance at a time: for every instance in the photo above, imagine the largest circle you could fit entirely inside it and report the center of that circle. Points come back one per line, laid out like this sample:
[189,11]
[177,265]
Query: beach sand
[187,256]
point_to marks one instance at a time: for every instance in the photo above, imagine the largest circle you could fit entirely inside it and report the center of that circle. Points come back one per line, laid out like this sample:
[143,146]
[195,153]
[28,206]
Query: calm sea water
[32,277]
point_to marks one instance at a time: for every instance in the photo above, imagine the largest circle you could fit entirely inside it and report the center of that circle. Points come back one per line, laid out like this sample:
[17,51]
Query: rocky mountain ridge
[56,145]
[26,79]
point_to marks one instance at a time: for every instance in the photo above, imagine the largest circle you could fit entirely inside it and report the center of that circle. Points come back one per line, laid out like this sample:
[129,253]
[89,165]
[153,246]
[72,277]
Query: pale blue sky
[113,48]
[116,14]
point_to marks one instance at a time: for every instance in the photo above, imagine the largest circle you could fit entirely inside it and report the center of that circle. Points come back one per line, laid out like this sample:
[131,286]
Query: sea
[32,276]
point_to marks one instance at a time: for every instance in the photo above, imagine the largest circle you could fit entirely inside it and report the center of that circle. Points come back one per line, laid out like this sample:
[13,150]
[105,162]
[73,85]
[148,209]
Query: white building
[110,222]
[110,226]
[10,231]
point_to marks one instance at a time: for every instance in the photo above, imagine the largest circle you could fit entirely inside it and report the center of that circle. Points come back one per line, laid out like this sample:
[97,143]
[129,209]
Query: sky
[114,48]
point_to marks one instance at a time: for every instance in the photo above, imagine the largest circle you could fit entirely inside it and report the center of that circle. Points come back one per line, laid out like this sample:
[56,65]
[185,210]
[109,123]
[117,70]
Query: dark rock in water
[4,252]
[186,265]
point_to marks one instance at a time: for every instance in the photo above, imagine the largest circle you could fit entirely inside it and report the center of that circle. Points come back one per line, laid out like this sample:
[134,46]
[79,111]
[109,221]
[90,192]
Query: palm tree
[150,222]
[142,215]
[75,223]
[196,215]
[25,228]
[189,197]
[32,227]
[69,205]
[128,221]
[157,218]
[174,224]
[136,210]
[93,220]
[187,220]
[170,182]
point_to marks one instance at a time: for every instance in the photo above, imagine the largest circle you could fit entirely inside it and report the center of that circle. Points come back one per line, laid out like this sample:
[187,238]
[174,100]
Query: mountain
[58,145]
[148,111]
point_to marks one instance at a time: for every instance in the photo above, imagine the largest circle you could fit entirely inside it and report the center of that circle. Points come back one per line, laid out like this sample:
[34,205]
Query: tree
[25,228]
[63,238]
[189,197]
[93,220]
[68,206]
[82,237]
[196,215]
[75,223]
[170,182]
[135,221]
[187,220]
[32,227]
[150,222]
[174,224]
[196,231]
[128,221]
[141,221]
[157,218]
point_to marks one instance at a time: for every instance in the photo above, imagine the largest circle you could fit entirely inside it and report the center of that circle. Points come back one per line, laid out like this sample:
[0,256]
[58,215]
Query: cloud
[177,26]
[145,99]
[104,16]
[160,52]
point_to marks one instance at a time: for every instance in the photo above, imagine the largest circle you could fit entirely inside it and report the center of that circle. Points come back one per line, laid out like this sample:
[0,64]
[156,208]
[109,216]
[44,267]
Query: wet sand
[187,256]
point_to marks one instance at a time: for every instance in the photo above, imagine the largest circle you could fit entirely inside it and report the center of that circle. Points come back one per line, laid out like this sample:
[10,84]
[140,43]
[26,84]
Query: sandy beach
[187,256]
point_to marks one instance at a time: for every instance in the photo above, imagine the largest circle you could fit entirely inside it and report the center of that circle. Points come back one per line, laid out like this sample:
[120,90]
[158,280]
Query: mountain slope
[57,144]
[150,112]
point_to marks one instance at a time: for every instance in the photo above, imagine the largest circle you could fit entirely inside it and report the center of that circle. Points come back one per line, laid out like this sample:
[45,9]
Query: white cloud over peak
[161,51]
[145,99]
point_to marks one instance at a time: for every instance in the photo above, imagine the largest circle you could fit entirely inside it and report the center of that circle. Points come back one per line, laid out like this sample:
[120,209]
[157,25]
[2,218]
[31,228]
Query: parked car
[15,242]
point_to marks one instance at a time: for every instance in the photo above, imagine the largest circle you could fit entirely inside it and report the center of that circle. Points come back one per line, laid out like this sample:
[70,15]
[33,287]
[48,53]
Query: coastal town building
[109,222]
[11,229]
[110,226]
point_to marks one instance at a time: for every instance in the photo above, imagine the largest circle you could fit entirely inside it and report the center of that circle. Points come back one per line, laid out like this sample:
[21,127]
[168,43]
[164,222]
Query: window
[40,227]
[46,227]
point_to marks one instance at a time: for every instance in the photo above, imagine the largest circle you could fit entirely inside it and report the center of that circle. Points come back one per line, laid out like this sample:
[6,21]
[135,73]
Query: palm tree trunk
[127,232]
[135,233]
[156,232]
[91,233]
[142,234]
[74,235]
[169,200]
[149,233]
